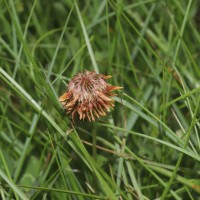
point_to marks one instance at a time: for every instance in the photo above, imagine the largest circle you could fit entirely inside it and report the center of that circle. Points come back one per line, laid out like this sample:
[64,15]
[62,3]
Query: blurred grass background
[148,147]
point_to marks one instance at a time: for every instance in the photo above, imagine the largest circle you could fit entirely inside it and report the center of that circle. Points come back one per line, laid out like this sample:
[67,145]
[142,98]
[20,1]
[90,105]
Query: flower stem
[94,142]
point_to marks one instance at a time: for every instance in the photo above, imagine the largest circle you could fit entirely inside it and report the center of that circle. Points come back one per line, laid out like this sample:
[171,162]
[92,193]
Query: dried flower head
[88,95]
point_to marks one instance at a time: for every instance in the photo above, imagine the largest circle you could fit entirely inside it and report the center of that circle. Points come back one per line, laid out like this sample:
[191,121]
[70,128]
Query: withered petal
[95,112]
[100,110]
[88,116]
[103,96]
[65,96]
[102,103]
[93,119]
[106,77]
[112,87]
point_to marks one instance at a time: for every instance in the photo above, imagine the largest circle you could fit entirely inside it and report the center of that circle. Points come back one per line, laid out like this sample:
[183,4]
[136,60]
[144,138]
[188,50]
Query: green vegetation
[148,147]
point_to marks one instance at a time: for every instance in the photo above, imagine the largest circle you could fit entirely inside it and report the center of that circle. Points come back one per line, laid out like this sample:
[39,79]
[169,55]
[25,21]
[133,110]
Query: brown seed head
[88,94]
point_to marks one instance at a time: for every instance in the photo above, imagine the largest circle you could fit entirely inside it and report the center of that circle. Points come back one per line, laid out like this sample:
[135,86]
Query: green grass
[148,147]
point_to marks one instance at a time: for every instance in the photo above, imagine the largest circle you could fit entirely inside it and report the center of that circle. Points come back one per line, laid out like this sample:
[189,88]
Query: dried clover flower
[88,95]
